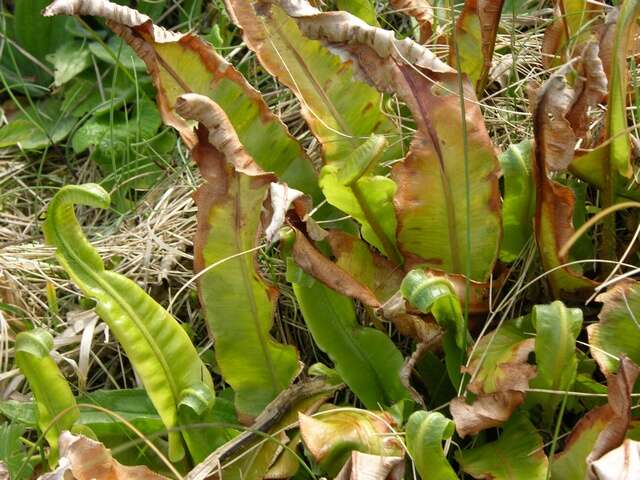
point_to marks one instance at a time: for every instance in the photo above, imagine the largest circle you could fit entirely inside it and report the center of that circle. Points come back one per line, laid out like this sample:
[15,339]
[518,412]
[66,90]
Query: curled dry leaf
[504,364]
[600,430]
[330,438]
[281,199]
[421,10]
[321,268]
[487,411]
[222,136]
[620,387]
[475,38]
[342,27]
[590,88]
[616,333]
[86,459]
[364,466]
[622,463]
[553,223]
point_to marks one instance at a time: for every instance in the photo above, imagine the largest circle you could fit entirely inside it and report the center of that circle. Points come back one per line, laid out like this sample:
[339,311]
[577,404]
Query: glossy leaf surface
[436,295]
[55,405]
[155,343]
[365,358]
[238,303]
[519,204]
[516,455]
[425,432]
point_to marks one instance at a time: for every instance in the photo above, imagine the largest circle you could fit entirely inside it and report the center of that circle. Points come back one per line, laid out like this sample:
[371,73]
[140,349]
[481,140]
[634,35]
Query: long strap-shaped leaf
[181,64]
[340,110]
[158,348]
[238,304]
[365,358]
[432,224]
[55,405]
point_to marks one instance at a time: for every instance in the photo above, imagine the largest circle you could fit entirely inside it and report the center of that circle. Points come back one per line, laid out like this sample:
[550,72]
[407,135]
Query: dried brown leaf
[590,89]
[620,387]
[328,434]
[222,136]
[512,374]
[421,10]
[554,148]
[321,268]
[86,459]
[622,463]
[487,411]
[364,466]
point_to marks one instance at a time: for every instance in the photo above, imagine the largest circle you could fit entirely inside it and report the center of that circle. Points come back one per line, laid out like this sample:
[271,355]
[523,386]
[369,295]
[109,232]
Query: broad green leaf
[126,145]
[430,201]
[339,108]
[425,432]
[68,60]
[557,328]
[617,331]
[41,126]
[12,452]
[519,204]
[157,346]
[37,35]
[620,147]
[364,9]
[365,358]
[348,185]
[436,295]
[499,360]
[238,304]
[132,405]
[330,437]
[516,455]
[475,38]
[56,407]
[185,63]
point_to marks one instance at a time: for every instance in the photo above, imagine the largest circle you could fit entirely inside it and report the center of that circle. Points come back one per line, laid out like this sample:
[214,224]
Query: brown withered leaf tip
[487,411]
[364,466]
[620,387]
[86,459]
